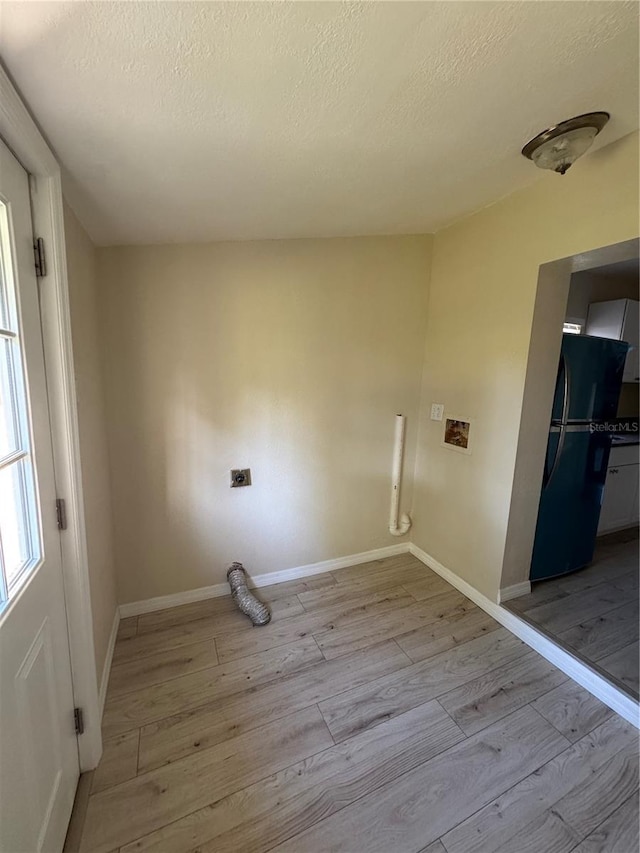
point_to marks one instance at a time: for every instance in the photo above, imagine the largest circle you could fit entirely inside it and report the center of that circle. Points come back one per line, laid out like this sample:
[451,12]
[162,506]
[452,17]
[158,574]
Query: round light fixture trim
[558,147]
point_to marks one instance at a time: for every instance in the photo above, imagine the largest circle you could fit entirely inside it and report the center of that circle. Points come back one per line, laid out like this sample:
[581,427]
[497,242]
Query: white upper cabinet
[617,319]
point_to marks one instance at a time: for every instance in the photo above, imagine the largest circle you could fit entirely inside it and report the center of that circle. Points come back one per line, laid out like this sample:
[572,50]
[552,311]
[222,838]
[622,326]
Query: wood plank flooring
[380,710]
[595,612]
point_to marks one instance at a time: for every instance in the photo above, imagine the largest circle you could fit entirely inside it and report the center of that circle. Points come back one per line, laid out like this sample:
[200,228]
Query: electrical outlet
[240,477]
[437,411]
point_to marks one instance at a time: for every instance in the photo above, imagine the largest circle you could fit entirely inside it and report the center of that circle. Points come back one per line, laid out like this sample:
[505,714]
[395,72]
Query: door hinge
[61,513]
[78,717]
[39,258]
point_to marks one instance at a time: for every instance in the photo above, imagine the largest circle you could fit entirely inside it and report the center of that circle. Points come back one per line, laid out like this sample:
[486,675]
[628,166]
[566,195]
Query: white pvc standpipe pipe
[398,527]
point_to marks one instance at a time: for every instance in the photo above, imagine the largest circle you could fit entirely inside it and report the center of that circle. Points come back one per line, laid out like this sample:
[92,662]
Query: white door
[38,746]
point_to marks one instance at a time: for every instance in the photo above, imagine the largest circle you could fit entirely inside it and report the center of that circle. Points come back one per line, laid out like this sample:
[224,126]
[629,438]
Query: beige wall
[291,357]
[288,357]
[587,287]
[629,403]
[81,262]
[482,294]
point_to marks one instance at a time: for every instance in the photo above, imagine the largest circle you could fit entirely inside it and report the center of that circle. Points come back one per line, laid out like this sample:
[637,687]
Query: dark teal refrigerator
[584,408]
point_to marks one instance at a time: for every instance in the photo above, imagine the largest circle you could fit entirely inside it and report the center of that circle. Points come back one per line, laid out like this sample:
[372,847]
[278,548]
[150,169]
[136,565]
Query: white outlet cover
[437,411]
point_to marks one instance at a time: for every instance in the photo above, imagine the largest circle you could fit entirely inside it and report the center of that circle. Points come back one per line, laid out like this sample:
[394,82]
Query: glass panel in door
[20,541]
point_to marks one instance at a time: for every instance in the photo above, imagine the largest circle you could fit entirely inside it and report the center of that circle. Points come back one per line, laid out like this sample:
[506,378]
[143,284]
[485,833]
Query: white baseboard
[162,602]
[514,591]
[108,658]
[567,663]
[330,565]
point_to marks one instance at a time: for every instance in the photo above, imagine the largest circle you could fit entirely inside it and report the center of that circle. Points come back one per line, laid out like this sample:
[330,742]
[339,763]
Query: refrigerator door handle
[566,402]
[559,449]
[563,368]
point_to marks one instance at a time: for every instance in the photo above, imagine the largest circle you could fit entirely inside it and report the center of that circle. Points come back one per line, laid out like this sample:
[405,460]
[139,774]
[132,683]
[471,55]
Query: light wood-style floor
[379,711]
[594,612]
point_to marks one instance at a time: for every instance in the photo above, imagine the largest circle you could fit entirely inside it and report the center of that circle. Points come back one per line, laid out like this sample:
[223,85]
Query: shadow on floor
[594,613]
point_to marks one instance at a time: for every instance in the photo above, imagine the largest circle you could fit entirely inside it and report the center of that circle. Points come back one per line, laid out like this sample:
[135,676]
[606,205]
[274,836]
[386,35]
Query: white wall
[92,416]
[288,357]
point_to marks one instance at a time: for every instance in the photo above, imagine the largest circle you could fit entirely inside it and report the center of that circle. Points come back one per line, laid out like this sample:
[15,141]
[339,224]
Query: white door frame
[21,134]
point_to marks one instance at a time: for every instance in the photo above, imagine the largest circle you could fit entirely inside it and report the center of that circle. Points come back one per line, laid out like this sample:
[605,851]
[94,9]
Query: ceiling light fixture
[559,147]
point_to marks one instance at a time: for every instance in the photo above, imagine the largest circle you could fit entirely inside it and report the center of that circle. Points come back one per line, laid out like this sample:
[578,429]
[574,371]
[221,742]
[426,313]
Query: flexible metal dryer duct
[256,610]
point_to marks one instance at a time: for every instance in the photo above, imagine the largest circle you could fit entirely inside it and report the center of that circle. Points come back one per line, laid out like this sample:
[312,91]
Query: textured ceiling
[211,121]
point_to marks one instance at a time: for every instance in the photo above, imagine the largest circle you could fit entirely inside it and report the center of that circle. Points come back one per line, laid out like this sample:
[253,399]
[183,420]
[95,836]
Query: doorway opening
[571,561]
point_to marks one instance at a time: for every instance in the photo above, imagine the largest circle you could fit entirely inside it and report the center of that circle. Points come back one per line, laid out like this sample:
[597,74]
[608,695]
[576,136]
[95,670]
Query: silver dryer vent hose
[256,610]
